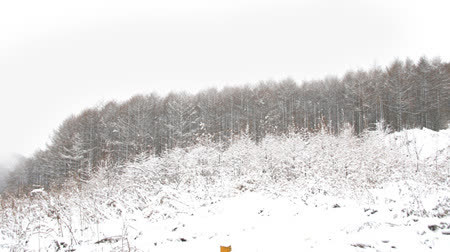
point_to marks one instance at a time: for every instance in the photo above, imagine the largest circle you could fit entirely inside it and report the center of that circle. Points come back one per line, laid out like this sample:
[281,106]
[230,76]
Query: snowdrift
[300,192]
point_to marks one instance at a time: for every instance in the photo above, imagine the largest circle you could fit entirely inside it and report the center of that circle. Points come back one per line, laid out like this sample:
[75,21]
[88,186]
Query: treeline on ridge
[405,94]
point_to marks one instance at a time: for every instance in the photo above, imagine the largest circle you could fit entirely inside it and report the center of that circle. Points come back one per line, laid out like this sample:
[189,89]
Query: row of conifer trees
[405,94]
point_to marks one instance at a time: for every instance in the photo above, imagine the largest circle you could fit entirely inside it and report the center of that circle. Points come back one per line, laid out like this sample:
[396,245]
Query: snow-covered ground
[298,193]
[260,222]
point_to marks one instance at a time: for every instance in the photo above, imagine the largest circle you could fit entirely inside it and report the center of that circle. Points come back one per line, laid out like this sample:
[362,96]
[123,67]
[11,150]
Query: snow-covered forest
[403,95]
[297,191]
[231,126]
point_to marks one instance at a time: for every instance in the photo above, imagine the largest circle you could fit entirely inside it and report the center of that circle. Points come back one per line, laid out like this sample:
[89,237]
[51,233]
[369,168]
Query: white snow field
[302,192]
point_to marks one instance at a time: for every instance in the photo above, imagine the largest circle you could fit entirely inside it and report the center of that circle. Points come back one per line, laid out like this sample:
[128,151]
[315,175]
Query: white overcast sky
[59,57]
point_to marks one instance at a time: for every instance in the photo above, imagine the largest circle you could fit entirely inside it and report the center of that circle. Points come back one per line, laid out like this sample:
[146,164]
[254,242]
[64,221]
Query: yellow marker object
[225,249]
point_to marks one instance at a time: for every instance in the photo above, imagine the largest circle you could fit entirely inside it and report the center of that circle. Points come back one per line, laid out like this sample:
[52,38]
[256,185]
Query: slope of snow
[422,144]
[288,193]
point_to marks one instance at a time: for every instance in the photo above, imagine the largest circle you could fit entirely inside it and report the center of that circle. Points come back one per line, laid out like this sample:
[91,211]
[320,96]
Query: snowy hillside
[303,192]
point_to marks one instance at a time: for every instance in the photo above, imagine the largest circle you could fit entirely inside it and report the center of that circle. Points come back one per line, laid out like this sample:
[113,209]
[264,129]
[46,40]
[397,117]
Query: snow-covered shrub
[155,188]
